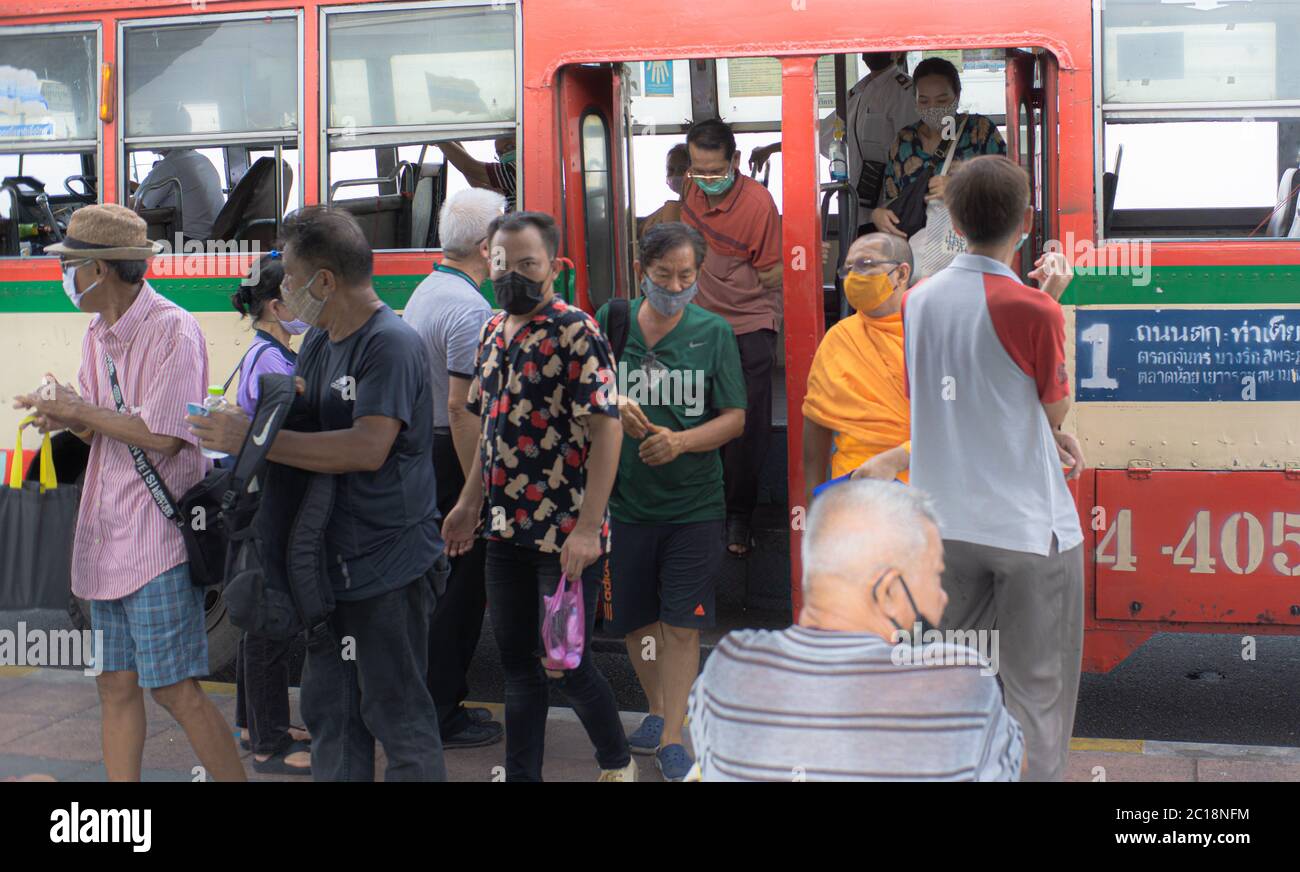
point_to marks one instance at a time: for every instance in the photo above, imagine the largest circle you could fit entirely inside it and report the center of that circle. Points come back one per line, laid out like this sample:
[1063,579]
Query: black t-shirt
[383,532]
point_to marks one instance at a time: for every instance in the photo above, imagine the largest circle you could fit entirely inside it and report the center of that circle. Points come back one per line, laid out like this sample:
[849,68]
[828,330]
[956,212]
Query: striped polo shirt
[123,541]
[983,353]
[743,237]
[814,705]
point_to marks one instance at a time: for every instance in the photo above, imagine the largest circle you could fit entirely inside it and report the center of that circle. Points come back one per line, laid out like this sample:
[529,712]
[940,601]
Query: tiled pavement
[49,723]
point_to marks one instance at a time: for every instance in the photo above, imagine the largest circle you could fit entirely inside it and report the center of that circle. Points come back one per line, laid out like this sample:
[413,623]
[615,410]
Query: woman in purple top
[262,666]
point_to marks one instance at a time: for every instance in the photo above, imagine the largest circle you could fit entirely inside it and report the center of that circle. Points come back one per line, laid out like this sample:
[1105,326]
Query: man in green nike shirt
[680,370]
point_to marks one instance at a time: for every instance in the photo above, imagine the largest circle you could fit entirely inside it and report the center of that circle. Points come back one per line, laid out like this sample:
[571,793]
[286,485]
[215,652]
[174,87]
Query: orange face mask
[867,293]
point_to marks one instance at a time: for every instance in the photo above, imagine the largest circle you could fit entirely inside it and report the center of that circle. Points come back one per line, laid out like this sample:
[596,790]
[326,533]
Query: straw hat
[106,232]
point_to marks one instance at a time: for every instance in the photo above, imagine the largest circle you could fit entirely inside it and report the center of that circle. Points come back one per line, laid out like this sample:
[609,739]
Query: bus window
[48,133]
[598,194]
[1204,106]
[199,98]
[399,83]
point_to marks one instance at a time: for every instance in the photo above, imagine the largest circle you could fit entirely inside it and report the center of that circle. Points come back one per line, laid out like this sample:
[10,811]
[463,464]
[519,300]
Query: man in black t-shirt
[365,379]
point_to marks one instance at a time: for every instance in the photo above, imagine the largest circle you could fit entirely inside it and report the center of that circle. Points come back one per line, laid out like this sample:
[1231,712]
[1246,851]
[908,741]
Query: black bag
[38,520]
[909,205]
[620,324]
[277,579]
[197,515]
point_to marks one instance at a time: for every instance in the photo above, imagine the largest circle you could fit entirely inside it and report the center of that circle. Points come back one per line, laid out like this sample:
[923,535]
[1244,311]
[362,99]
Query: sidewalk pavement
[49,723]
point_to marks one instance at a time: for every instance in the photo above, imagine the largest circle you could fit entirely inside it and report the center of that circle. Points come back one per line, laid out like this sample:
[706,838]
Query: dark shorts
[663,572]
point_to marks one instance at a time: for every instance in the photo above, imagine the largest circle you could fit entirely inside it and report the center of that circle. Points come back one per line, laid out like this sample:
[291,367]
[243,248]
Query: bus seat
[1288,189]
[163,223]
[250,212]
[1109,187]
[430,191]
[380,217]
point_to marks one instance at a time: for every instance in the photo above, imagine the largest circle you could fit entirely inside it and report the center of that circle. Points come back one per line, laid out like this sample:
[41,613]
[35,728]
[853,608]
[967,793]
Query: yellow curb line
[221,688]
[16,671]
[1122,746]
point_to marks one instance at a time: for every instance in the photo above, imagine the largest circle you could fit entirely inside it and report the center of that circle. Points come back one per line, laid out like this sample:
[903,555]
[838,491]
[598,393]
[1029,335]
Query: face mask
[664,301]
[717,187]
[934,115]
[675,183]
[517,293]
[508,157]
[867,293]
[70,286]
[921,619]
[302,305]
[295,327]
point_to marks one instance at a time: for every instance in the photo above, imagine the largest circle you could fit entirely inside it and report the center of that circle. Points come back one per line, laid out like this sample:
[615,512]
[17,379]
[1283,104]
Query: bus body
[1182,330]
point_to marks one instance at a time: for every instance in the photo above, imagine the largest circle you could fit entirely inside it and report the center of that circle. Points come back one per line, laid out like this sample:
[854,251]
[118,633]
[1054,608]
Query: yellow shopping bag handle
[48,479]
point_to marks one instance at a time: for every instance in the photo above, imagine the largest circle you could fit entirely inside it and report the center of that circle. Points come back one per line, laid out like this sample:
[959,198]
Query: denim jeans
[517,578]
[262,692]
[365,680]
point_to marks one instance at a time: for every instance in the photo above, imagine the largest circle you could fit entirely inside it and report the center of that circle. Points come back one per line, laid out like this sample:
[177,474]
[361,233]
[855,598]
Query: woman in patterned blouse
[938,90]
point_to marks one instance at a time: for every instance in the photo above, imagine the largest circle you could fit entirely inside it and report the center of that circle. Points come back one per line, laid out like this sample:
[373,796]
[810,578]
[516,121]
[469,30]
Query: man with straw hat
[142,359]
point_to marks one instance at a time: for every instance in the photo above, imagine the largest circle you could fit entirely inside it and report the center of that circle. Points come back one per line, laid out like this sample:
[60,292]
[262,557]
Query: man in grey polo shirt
[832,698]
[987,378]
[448,312]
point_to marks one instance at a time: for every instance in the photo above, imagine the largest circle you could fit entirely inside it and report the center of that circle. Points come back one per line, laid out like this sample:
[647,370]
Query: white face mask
[70,285]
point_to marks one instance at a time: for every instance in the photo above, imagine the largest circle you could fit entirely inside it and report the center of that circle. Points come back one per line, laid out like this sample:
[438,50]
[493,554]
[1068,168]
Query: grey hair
[895,248]
[464,219]
[861,528]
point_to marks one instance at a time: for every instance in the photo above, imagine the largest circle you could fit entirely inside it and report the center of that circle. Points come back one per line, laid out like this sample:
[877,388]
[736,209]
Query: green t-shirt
[684,381]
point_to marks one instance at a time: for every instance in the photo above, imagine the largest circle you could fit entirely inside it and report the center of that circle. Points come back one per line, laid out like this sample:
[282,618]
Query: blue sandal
[646,738]
[674,762]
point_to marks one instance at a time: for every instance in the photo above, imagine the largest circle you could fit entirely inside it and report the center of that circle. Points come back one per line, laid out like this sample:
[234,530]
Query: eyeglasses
[74,262]
[692,174]
[864,265]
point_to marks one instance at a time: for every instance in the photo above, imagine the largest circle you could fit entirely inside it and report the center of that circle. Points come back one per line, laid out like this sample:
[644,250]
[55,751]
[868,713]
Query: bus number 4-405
[1118,551]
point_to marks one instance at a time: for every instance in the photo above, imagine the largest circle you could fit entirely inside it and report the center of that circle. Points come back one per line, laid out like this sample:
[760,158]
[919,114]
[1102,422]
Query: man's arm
[816,456]
[130,429]
[464,426]
[363,447]
[602,467]
[664,445]
[474,170]
[771,279]
[1056,412]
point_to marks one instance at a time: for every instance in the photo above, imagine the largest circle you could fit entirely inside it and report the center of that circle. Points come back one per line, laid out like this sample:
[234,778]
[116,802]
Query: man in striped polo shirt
[987,378]
[128,559]
[832,698]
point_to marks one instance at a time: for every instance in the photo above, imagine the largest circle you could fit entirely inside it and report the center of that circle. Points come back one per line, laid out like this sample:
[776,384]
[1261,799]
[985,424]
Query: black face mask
[517,294]
[921,619]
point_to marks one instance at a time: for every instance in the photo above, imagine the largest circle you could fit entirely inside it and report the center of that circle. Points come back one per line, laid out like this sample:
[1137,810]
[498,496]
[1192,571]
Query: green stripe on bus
[1187,285]
[1160,286]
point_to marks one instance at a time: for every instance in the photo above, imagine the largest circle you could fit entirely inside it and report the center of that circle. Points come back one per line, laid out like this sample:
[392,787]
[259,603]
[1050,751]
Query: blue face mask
[70,285]
[295,327]
[664,301]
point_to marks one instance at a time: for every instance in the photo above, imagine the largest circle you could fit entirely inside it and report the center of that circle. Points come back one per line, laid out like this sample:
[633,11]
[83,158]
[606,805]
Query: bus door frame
[1031,100]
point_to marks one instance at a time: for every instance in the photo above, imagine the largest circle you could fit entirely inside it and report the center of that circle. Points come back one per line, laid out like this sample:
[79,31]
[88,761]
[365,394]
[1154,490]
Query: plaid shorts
[157,632]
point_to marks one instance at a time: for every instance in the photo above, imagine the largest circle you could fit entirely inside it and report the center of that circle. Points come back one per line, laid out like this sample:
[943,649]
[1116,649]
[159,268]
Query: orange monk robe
[855,389]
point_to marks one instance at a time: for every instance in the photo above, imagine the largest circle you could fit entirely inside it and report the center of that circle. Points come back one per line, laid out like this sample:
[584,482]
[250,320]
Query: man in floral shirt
[549,445]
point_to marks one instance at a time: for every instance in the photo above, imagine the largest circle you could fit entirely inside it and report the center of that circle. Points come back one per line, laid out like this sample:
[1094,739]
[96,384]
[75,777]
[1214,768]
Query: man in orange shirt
[741,281]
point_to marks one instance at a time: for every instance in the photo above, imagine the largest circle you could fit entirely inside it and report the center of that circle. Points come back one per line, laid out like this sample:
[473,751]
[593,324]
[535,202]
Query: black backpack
[618,322]
[277,584]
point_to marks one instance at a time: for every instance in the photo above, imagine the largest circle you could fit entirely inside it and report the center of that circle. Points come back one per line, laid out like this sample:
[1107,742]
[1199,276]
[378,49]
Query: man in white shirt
[879,105]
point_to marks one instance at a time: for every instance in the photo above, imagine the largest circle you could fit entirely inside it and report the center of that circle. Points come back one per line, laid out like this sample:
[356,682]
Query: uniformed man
[879,105]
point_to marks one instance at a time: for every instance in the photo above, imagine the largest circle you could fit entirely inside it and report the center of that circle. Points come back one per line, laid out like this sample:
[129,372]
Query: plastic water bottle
[216,399]
[839,155]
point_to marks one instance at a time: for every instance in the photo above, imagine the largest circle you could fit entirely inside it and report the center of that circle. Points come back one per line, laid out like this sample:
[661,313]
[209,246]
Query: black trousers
[517,578]
[742,457]
[364,680]
[262,692]
[458,617]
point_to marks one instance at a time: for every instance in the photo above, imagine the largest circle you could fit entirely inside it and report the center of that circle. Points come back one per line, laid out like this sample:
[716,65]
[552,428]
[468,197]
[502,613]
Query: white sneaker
[627,773]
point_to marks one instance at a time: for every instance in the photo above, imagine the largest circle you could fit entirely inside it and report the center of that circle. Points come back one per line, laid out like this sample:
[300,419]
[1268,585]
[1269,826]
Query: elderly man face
[877,254]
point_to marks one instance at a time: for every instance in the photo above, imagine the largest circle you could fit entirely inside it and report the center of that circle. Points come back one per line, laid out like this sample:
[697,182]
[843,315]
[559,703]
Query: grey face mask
[933,116]
[666,302]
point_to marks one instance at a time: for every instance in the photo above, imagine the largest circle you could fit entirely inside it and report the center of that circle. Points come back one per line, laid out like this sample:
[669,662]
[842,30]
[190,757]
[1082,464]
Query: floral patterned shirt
[533,396]
[908,157]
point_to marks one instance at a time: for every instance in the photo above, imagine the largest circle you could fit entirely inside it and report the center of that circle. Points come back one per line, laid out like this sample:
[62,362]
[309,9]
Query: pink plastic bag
[563,624]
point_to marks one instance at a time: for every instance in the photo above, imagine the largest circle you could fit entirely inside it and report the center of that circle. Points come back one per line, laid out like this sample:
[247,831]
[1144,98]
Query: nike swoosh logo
[260,439]
[697,344]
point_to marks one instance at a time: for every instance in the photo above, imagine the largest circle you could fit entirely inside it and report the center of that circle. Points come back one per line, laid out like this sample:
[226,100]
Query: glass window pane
[600,228]
[47,87]
[431,66]
[1158,52]
[217,77]
[1165,164]
[661,93]
[749,89]
[983,78]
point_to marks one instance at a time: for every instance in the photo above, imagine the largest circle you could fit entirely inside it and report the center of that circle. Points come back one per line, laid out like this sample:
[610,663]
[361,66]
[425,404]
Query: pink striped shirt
[123,541]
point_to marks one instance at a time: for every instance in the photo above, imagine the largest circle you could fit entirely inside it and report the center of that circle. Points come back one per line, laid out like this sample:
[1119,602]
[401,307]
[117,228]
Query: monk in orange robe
[856,402]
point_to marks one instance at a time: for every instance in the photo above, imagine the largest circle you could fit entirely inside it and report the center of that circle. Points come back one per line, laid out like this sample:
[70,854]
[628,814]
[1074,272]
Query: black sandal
[276,765]
[739,534]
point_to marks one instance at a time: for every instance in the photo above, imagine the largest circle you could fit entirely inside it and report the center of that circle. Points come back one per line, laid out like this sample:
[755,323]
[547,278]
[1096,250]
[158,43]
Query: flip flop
[276,765]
